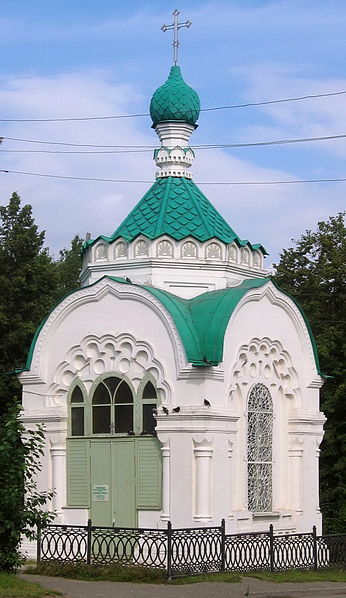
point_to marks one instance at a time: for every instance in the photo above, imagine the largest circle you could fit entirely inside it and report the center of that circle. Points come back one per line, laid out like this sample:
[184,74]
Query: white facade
[105,327]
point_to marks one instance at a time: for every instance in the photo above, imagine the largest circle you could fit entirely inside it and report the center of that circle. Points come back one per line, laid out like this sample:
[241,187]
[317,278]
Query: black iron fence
[191,550]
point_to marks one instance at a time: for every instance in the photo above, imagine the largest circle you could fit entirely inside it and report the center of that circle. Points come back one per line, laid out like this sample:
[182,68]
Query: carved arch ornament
[96,356]
[265,361]
[95,293]
[311,378]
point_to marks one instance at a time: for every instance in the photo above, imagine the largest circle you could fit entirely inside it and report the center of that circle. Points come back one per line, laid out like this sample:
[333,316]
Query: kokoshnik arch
[174,309]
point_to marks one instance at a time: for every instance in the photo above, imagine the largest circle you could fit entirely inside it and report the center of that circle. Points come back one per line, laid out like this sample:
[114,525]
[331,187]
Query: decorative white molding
[165,249]
[278,298]
[213,251]
[189,250]
[174,157]
[101,251]
[122,354]
[48,414]
[95,293]
[141,248]
[120,250]
[264,360]
[122,258]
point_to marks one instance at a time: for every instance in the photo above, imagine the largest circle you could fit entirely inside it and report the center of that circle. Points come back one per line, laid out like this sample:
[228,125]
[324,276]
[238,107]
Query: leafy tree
[68,267]
[27,280]
[314,272]
[20,452]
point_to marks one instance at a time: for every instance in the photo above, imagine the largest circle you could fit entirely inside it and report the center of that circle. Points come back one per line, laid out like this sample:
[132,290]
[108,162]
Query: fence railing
[190,550]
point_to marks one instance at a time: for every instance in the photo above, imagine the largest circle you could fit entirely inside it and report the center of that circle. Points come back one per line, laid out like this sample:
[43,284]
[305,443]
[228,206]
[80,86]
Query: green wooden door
[113,483]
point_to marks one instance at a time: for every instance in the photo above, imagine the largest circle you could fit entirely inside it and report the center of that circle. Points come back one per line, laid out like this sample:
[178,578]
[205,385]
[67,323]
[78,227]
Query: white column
[58,456]
[203,452]
[166,479]
[296,458]
[231,477]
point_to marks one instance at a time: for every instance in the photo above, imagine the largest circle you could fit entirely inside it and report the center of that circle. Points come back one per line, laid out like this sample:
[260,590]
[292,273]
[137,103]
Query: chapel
[178,382]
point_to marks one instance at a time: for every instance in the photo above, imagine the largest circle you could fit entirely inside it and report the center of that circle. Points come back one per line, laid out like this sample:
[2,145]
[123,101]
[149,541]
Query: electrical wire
[99,179]
[214,108]
[150,148]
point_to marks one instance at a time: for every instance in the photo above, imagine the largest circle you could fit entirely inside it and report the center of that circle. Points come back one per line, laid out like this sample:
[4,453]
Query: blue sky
[83,58]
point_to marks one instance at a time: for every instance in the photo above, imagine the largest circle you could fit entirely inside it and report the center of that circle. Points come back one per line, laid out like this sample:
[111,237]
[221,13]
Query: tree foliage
[27,281]
[31,283]
[20,452]
[68,268]
[314,272]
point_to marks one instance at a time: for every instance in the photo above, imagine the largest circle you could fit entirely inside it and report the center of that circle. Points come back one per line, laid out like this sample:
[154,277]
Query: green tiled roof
[175,100]
[176,207]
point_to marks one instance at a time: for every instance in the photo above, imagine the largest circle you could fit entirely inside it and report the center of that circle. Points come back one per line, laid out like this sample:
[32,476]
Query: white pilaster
[58,456]
[296,464]
[203,452]
[166,479]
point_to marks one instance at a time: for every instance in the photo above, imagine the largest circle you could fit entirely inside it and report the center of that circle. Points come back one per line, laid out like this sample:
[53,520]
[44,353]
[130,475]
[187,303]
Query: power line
[45,142]
[135,148]
[118,116]
[77,178]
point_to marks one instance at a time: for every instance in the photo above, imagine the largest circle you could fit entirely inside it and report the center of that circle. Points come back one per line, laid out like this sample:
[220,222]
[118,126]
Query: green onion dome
[175,100]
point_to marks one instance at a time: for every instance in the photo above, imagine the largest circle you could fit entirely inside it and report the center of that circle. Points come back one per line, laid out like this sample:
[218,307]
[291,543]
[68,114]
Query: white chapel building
[179,382]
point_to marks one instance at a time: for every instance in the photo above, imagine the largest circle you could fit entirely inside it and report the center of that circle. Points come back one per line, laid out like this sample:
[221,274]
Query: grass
[297,576]
[86,572]
[14,587]
[118,573]
[137,574]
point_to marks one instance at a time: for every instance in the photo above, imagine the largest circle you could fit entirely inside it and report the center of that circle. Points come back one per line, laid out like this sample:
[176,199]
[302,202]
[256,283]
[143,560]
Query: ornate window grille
[259,449]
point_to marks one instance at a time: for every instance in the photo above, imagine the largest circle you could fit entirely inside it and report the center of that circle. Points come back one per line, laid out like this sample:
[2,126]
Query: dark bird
[131,433]
[143,433]
[165,410]
[176,409]
[206,403]
[154,411]
[128,279]
[206,361]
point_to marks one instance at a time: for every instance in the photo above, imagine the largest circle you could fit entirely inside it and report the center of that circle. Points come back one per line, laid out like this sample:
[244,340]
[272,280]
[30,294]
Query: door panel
[124,483]
[101,482]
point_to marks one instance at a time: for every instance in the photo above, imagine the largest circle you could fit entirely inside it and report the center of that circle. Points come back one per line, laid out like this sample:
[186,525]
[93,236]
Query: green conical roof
[175,206]
[175,100]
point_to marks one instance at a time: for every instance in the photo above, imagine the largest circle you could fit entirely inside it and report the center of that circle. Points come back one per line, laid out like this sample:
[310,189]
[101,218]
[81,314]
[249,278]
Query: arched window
[112,407]
[149,402]
[77,412]
[259,449]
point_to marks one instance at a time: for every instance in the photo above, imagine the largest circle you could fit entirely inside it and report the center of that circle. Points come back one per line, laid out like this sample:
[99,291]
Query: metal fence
[180,552]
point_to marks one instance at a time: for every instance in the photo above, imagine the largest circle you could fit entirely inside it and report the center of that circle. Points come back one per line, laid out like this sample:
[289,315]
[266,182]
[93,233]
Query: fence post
[314,544]
[88,555]
[169,550]
[271,547]
[223,545]
[38,553]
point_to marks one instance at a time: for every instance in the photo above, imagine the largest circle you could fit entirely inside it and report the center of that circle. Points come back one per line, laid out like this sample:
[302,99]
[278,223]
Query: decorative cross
[176,26]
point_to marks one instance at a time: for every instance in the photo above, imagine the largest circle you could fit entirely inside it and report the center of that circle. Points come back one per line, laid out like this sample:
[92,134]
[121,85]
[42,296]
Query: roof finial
[176,26]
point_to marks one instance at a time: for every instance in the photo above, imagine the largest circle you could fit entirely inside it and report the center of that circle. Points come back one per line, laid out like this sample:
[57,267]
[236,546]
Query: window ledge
[266,515]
